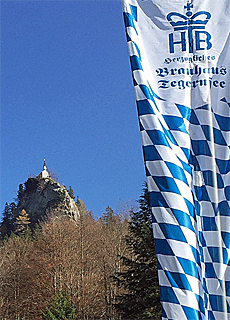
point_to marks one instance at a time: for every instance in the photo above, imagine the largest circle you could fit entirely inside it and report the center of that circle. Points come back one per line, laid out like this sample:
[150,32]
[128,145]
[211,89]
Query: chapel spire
[45,173]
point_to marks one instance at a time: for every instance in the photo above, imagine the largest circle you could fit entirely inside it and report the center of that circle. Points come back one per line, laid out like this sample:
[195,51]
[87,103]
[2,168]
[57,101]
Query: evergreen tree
[141,298]
[82,208]
[107,216]
[21,191]
[13,207]
[7,225]
[71,192]
[60,308]
[22,223]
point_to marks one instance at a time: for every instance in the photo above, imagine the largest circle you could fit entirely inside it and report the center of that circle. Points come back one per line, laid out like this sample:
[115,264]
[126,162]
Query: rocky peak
[43,195]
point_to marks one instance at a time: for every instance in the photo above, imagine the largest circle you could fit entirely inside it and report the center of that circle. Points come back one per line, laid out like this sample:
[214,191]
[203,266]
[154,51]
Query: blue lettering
[199,40]
[181,84]
[172,42]
[168,60]
[162,72]
[223,71]
[222,84]
[163,84]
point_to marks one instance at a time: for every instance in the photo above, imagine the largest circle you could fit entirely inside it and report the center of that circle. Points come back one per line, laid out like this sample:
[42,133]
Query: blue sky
[67,96]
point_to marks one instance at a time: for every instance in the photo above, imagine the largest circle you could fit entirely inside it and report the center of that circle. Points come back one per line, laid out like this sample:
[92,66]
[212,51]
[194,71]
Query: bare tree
[76,257]
[17,280]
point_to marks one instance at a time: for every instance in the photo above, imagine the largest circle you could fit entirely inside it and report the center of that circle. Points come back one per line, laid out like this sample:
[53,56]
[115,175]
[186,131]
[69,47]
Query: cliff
[42,196]
[37,198]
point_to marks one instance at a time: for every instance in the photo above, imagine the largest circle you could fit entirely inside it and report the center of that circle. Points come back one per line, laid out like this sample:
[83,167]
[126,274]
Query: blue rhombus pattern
[187,166]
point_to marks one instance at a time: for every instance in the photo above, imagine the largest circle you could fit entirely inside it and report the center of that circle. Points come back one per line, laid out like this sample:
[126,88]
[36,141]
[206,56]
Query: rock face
[44,195]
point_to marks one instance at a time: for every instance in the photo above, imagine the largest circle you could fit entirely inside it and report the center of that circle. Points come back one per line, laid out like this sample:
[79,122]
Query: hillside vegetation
[77,267]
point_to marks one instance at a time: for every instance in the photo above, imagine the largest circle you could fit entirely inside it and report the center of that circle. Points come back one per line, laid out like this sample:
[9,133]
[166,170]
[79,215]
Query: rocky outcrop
[42,196]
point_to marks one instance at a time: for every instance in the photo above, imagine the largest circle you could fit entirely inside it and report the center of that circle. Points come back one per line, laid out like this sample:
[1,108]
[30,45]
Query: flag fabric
[179,54]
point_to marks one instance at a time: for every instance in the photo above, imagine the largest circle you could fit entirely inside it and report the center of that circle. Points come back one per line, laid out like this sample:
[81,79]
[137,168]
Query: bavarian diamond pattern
[187,165]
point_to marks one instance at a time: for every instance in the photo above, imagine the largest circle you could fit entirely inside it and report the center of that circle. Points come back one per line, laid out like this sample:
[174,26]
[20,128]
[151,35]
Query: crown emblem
[182,22]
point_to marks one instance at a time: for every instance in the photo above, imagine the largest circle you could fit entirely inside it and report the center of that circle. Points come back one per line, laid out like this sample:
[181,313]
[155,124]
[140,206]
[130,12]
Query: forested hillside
[84,268]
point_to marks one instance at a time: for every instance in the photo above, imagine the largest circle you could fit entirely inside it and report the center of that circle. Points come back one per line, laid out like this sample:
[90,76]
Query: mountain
[40,196]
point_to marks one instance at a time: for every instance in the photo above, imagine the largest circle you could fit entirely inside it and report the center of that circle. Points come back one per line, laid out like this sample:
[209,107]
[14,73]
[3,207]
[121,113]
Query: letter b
[199,40]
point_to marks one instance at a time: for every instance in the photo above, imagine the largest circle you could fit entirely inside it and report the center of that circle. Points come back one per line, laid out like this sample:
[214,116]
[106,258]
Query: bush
[60,308]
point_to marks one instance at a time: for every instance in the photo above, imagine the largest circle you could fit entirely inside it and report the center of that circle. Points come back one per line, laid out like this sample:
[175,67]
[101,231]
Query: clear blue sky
[67,96]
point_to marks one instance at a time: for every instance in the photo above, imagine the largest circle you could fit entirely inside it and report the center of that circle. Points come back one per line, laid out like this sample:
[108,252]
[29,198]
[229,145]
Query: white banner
[179,53]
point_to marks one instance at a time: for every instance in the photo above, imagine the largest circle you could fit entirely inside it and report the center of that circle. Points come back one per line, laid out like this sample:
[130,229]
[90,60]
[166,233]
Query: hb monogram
[189,26]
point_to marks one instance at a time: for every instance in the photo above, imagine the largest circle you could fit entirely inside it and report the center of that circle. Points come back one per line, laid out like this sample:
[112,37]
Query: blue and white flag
[180,60]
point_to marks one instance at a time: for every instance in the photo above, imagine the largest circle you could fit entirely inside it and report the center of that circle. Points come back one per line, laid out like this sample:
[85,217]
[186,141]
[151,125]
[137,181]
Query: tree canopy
[65,268]
[141,297]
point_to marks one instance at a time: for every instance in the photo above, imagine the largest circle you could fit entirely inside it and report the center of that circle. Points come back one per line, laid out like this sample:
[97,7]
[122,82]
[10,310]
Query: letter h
[172,42]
